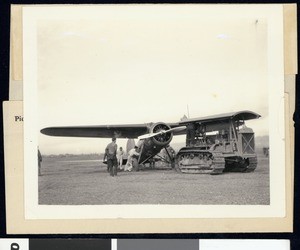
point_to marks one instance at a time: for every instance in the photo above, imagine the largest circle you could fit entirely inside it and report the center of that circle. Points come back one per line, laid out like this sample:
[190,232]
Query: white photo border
[277,208]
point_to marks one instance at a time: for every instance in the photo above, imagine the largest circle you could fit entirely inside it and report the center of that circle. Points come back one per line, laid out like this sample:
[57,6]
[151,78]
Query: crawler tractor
[218,144]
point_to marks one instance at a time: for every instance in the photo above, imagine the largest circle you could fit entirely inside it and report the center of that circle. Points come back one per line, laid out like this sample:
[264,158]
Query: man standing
[40,162]
[110,154]
[120,155]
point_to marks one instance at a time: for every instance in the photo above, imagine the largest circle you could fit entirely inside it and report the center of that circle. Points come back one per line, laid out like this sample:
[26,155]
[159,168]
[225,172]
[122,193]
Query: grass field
[76,181]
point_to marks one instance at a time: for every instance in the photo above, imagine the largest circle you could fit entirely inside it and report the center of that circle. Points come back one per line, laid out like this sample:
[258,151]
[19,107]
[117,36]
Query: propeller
[146,136]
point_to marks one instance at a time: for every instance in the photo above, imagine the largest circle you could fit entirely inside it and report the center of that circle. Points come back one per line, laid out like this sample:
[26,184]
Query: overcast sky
[139,68]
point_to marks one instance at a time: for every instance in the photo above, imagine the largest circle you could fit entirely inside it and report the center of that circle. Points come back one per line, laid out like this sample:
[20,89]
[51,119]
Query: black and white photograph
[153,111]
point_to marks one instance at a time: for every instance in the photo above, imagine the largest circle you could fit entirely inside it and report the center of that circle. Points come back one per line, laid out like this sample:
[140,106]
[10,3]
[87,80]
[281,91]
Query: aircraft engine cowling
[161,139]
[149,147]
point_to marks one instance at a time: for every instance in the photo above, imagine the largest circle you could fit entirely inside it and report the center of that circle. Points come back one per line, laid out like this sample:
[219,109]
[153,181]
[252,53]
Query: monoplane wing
[240,115]
[102,131]
[105,131]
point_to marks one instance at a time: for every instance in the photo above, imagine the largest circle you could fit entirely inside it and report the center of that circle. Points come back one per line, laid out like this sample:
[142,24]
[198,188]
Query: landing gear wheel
[135,164]
[173,164]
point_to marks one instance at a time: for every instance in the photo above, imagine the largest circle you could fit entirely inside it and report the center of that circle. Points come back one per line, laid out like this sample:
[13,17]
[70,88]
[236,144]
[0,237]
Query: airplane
[212,142]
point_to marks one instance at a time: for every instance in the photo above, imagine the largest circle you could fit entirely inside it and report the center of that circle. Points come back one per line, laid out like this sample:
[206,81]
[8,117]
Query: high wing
[238,116]
[136,130]
[104,131]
